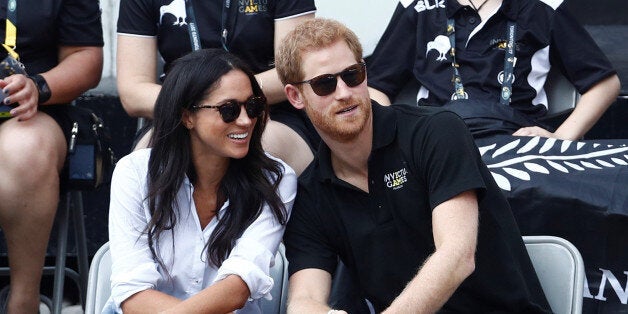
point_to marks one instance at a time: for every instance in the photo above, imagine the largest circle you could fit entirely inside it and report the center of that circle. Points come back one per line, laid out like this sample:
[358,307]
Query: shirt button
[472,20]
[372,181]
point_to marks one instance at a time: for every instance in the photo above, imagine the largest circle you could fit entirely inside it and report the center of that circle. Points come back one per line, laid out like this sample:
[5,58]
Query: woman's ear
[186,119]
[294,95]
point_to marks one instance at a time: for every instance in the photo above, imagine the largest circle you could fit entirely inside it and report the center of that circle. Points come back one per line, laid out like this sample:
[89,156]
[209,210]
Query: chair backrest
[99,287]
[560,269]
[98,284]
[279,273]
[562,96]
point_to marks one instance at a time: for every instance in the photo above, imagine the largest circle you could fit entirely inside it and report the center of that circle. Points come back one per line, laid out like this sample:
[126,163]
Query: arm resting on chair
[589,109]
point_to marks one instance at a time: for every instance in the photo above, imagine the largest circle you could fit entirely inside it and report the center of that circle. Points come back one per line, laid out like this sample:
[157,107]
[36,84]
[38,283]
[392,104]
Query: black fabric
[486,119]
[420,158]
[251,32]
[415,46]
[574,190]
[44,25]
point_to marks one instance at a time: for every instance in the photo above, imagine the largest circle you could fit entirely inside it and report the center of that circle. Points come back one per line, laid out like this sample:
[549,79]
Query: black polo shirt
[415,44]
[420,158]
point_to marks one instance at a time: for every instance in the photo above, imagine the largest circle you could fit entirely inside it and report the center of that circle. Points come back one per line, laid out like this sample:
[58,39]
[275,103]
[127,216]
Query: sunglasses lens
[255,106]
[353,75]
[229,111]
[324,85]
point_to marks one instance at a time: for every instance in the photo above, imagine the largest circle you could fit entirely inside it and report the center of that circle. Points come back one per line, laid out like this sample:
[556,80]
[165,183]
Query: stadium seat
[560,269]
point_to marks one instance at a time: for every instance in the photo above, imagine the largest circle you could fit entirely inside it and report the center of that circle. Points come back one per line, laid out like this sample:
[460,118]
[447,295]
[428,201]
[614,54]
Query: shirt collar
[384,130]
[509,8]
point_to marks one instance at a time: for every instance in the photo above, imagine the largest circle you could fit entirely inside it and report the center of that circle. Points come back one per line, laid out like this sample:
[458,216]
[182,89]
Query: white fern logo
[528,160]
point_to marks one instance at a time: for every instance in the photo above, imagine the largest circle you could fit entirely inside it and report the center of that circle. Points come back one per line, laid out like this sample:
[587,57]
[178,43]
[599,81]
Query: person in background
[491,81]
[488,61]
[196,220]
[400,194]
[60,44]
[148,28]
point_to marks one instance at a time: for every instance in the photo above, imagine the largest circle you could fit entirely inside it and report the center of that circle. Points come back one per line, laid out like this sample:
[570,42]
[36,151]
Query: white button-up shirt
[182,251]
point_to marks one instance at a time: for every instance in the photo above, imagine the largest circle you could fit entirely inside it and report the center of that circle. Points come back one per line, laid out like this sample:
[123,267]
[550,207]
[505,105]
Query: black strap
[506,76]
[195,38]
[509,64]
[223,24]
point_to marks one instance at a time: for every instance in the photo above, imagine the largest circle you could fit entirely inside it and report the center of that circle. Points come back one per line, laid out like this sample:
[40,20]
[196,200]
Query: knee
[31,154]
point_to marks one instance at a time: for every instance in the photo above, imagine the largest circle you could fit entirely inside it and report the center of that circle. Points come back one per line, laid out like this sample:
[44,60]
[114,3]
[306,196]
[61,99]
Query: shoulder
[288,185]
[137,161]
[286,9]
[538,11]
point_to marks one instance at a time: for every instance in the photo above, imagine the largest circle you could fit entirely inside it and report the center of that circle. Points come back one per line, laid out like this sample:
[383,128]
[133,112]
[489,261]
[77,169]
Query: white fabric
[135,270]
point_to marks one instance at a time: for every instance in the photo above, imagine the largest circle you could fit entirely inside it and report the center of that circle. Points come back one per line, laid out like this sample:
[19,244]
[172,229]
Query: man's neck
[349,160]
[485,8]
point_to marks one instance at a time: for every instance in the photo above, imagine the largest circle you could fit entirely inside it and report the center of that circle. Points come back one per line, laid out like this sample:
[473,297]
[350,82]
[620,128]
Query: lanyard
[223,24]
[195,39]
[506,76]
[10,37]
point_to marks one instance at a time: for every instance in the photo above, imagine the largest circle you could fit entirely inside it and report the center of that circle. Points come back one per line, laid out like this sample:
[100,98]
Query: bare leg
[32,153]
[284,143]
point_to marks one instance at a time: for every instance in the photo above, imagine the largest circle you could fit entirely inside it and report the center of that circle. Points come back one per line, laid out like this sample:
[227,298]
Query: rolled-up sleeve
[254,252]
[133,269]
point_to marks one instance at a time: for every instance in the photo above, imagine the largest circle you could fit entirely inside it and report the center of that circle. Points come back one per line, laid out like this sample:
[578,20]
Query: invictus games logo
[396,179]
[252,6]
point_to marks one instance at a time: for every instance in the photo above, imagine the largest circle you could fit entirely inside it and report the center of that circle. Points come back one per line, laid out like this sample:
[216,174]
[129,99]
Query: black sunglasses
[230,110]
[325,84]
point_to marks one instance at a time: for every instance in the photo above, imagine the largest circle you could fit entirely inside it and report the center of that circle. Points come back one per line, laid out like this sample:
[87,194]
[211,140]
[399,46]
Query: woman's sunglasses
[230,110]
[325,84]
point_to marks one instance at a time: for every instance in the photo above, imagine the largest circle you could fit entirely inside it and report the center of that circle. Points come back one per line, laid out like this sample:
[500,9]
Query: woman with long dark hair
[196,220]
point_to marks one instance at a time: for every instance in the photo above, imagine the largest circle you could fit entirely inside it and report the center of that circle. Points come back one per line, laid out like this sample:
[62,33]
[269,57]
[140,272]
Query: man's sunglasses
[230,110]
[325,84]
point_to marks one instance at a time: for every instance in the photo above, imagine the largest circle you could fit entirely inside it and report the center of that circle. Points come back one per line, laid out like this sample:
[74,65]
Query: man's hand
[20,90]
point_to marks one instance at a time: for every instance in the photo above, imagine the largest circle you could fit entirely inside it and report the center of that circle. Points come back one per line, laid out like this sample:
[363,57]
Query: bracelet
[42,88]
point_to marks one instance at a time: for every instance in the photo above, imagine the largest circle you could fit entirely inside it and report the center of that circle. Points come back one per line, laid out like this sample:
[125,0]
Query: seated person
[147,28]
[195,222]
[399,193]
[554,186]
[424,44]
[60,45]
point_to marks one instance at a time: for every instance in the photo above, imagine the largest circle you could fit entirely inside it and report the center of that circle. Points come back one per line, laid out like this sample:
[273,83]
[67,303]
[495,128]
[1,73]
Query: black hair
[249,183]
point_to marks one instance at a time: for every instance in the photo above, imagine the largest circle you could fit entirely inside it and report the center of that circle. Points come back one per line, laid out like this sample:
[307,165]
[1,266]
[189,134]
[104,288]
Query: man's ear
[294,95]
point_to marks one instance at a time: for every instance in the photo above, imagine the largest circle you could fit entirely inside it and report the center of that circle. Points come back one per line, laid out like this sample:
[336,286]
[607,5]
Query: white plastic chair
[560,269]
[99,287]
[98,284]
